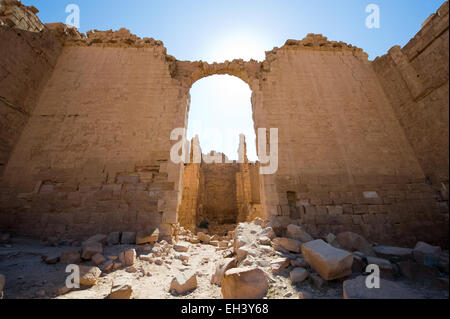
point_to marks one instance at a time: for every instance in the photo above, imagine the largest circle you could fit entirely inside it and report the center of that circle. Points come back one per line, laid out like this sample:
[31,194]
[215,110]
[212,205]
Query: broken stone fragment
[121,289]
[317,281]
[298,275]
[427,254]
[204,238]
[145,238]
[128,238]
[184,282]
[298,233]
[329,262]
[278,265]
[98,259]
[51,259]
[128,258]
[287,244]
[71,256]
[221,267]
[358,289]
[90,249]
[299,262]
[181,247]
[245,283]
[264,240]
[89,275]
[353,242]
[107,266]
[268,232]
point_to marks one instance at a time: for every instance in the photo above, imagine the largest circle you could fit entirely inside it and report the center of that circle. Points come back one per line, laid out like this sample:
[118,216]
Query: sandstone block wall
[354,148]
[415,79]
[28,54]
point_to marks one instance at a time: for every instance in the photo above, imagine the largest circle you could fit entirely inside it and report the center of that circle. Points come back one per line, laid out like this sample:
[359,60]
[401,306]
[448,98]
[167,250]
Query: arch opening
[222,189]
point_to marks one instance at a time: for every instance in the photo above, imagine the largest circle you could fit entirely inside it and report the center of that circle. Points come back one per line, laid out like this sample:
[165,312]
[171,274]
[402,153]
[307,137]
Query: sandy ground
[28,277]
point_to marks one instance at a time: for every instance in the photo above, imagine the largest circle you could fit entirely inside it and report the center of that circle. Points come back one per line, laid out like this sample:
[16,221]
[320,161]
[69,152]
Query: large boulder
[90,248]
[147,238]
[121,289]
[89,275]
[391,252]
[427,254]
[353,242]
[298,233]
[245,283]
[184,282]
[287,244]
[221,267]
[329,262]
[357,289]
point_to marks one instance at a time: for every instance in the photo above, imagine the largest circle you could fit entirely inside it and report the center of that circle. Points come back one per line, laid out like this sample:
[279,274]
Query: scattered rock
[184,282]
[353,242]
[128,258]
[71,256]
[221,267]
[287,244]
[244,283]
[242,253]
[299,262]
[145,238]
[181,247]
[121,289]
[357,289]
[128,238]
[89,275]
[146,257]
[390,252]
[268,232]
[278,265]
[98,259]
[330,238]
[329,262]
[51,259]
[107,266]
[317,281]
[264,240]
[298,233]
[298,275]
[426,254]
[113,238]
[91,248]
[204,238]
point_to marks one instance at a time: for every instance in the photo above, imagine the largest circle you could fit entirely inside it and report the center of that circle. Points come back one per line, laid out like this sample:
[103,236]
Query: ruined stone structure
[85,125]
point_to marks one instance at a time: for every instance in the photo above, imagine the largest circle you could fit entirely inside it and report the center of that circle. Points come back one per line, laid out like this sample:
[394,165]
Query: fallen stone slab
[121,289]
[287,244]
[90,249]
[244,283]
[353,242]
[329,262]
[89,275]
[391,252]
[221,267]
[146,238]
[98,259]
[427,254]
[184,282]
[298,233]
[298,275]
[70,257]
[357,289]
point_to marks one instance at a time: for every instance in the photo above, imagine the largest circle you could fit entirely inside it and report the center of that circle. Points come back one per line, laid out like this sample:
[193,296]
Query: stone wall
[28,54]
[415,79]
[94,156]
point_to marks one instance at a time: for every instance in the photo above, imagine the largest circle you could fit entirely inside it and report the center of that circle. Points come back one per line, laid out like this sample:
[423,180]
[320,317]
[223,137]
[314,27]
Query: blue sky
[218,30]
